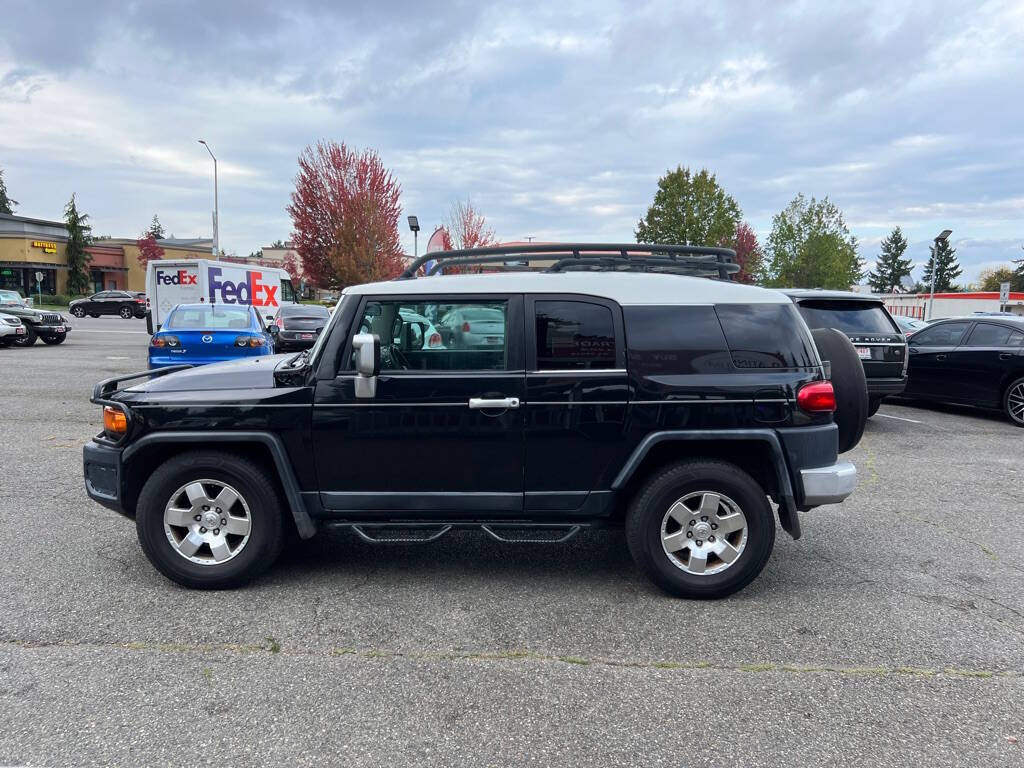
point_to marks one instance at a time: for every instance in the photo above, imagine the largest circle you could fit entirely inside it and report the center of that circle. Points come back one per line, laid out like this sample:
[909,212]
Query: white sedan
[11,328]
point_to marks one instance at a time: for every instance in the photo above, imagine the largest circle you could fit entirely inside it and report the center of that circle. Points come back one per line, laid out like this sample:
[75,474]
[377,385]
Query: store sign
[47,247]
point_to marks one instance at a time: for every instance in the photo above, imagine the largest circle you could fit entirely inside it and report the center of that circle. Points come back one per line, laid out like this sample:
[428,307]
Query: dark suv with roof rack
[599,395]
[879,342]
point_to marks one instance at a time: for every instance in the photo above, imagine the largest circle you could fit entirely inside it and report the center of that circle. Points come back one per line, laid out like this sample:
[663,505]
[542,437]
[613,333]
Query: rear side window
[574,335]
[989,335]
[942,335]
[675,340]
[766,336]
[848,316]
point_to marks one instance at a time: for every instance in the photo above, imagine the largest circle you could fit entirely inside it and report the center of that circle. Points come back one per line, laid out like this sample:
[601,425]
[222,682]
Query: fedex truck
[194,281]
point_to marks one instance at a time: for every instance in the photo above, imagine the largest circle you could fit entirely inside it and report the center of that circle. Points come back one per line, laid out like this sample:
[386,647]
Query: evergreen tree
[891,266]
[1017,284]
[156,229]
[810,246]
[689,209]
[78,238]
[947,268]
[6,204]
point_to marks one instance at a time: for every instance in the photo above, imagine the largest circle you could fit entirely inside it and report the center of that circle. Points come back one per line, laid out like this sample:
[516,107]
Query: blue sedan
[209,333]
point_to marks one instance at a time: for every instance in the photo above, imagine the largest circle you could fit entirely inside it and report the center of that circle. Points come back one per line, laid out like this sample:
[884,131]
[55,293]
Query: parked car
[126,304]
[209,333]
[720,404]
[971,360]
[909,325]
[297,326]
[11,328]
[879,341]
[51,327]
[475,326]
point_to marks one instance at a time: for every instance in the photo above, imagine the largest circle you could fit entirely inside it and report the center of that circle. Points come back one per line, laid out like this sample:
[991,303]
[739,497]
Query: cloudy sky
[555,118]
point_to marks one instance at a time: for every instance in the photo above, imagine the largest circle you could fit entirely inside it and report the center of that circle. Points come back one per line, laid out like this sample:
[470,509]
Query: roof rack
[700,260]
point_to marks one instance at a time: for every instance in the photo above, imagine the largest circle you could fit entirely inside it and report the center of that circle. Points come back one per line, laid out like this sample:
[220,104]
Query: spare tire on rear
[848,381]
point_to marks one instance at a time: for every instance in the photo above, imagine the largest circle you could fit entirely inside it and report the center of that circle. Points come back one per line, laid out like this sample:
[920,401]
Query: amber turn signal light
[114,421]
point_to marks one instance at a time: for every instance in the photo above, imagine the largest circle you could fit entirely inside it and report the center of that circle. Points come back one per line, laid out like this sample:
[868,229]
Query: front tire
[78,312]
[28,339]
[209,520]
[700,529]
[1013,402]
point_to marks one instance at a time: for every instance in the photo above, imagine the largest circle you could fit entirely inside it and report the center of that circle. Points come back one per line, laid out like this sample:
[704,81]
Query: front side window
[989,335]
[439,336]
[942,335]
[574,335]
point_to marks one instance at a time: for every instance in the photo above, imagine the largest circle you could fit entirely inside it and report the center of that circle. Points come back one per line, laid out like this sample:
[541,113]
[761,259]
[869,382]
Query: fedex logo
[248,291]
[181,277]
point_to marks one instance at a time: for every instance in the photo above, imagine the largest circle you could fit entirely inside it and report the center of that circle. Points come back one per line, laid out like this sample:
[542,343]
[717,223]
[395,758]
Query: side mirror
[273,330]
[367,349]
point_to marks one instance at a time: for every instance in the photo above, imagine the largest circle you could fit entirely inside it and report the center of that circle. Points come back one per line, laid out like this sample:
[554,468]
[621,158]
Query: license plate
[306,336]
[864,353]
[19,331]
[492,339]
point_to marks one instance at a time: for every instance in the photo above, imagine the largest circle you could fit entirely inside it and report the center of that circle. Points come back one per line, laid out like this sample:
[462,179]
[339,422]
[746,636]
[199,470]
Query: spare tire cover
[848,381]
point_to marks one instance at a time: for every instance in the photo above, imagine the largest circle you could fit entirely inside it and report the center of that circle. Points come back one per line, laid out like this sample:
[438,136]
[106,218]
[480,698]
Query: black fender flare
[293,496]
[788,515]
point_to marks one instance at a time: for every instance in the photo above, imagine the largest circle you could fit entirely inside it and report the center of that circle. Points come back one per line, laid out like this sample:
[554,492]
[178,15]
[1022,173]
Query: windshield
[208,317]
[847,316]
[11,299]
[314,352]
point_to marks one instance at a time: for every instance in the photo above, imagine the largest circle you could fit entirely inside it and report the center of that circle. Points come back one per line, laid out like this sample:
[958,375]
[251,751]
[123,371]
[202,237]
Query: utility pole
[216,206]
[943,236]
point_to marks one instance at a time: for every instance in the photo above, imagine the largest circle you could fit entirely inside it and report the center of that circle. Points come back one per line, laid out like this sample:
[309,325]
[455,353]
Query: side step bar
[421,533]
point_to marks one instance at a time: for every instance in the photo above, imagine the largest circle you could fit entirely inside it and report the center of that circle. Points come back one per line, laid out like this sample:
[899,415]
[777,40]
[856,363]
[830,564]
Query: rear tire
[126,312]
[702,497]
[849,383]
[873,405]
[1013,402]
[168,532]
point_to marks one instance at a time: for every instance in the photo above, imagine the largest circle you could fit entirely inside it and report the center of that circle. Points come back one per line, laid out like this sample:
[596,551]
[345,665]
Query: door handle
[940,357]
[493,403]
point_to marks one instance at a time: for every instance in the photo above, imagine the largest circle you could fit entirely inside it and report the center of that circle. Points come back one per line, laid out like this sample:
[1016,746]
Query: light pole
[943,237]
[216,210]
[414,225]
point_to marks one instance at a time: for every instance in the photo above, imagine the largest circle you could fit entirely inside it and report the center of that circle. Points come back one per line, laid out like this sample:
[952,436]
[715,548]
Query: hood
[244,373]
[20,311]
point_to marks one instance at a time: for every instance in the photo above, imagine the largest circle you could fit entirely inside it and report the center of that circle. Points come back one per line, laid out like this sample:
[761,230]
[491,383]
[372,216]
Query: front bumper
[51,330]
[880,387]
[828,485]
[103,475]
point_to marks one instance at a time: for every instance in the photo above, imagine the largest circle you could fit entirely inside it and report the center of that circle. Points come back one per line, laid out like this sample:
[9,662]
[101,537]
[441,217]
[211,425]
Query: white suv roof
[626,288]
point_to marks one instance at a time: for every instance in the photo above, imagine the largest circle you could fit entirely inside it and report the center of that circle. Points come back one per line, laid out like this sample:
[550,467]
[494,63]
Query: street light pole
[216,205]
[414,225]
[943,236]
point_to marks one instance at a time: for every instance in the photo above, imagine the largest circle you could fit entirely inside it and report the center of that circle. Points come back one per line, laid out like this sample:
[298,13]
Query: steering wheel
[392,357]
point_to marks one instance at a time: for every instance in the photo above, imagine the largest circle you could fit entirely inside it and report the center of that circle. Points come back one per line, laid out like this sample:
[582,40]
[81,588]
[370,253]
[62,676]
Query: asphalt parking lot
[892,633]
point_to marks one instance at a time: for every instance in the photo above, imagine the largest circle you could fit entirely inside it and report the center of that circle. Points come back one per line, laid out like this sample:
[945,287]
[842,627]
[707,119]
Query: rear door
[984,360]
[173,284]
[880,344]
[443,435]
[577,391]
[931,373]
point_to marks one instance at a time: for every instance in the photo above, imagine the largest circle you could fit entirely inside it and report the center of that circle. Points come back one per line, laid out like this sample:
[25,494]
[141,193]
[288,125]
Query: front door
[443,434]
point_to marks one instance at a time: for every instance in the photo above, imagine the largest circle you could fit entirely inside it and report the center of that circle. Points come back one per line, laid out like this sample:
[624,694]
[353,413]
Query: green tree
[78,258]
[6,204]
[811,247]
[989,279]
[947,268]
[891,267]
[689,209]
[156,229]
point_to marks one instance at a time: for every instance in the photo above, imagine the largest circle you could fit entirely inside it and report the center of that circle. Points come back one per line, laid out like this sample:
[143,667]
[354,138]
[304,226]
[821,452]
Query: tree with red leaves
[749,255]
[345,214]
[466,228]
[149,249]
[291,266]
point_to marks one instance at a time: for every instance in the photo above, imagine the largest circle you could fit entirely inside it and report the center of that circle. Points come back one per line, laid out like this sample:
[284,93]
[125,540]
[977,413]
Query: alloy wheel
[207,522]
[704,533]
[126,313]
[1015,402]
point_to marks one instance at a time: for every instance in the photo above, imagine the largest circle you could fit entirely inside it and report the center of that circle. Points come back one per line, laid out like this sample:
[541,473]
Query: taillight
[434,340]
[141,301]
[280,322]
[114,421]
[164,341]
[465,327]
[250,341]
[817,397]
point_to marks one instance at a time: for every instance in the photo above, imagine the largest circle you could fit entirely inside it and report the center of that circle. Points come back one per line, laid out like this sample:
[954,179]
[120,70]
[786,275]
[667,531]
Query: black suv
[604,395]
[879,342]
[126,304]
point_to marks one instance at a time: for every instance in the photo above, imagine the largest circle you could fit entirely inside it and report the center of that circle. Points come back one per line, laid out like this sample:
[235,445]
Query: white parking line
[899,418]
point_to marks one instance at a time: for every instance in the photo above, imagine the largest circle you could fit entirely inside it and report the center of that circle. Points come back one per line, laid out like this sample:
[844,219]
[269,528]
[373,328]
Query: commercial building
[952,304]
[36,247]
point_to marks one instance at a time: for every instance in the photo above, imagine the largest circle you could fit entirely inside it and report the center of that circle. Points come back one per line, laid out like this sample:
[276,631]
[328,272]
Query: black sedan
[123,303]
[297,326]
[971,360]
